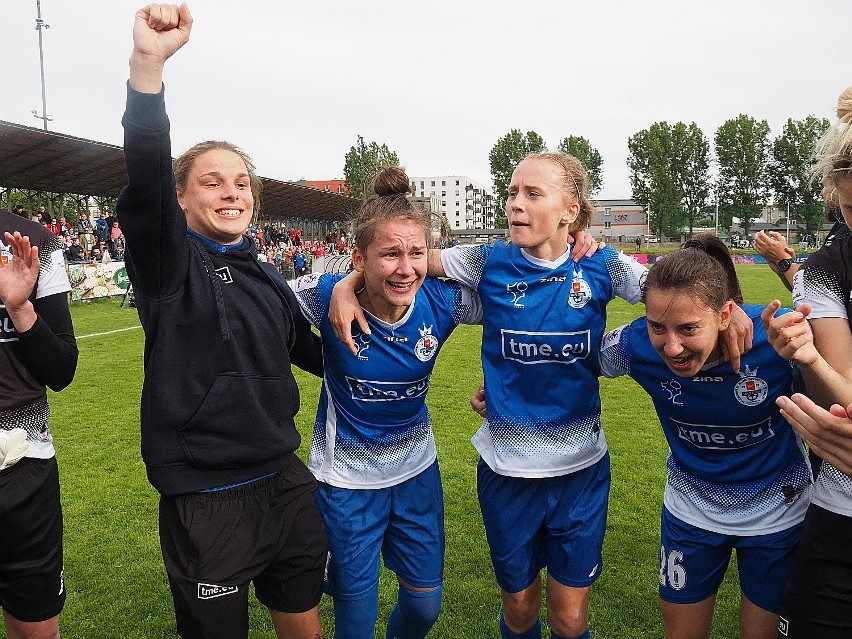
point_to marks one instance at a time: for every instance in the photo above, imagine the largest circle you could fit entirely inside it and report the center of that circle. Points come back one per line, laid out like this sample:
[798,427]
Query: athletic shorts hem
[417,583]
[513,587]
[33,618]
[575,583]
[368,592]
[686,600]
[276,608]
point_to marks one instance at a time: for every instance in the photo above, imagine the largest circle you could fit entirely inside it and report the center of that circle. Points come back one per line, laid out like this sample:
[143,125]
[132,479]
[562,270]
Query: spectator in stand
[300,262]
[45,216]
[114,234]
[76,253]
[117,252]
[37,351]
[102,227]
[64,227]
[84,224]
[86,232]
[19,210]
[53,227]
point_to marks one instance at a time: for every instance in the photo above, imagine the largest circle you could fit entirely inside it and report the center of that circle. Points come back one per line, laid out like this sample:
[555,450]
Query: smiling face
[394,266]
[539,211]
[683,330]
[217,196]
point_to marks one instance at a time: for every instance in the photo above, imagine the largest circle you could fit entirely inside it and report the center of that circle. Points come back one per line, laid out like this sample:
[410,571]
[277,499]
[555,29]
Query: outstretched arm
[159,30]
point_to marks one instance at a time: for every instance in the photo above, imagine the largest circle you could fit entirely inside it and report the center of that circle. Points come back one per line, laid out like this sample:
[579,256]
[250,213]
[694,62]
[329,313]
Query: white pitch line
[118,330]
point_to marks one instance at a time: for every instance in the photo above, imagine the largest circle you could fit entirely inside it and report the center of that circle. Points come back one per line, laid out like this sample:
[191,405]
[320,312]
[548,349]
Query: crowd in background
[101,240]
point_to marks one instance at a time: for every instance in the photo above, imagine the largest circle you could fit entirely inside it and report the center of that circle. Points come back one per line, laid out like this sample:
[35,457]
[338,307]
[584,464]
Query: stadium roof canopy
[38,160]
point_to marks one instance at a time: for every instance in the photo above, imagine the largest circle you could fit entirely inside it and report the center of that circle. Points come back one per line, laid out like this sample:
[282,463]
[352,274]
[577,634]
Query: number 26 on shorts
[671,570]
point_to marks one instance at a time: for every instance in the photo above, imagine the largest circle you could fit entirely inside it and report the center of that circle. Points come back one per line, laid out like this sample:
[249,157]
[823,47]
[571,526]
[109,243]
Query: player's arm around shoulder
[613,356]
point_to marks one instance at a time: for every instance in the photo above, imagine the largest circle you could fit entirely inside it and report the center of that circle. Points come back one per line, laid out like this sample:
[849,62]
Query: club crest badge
[427,345]
[580,293]
[750,390]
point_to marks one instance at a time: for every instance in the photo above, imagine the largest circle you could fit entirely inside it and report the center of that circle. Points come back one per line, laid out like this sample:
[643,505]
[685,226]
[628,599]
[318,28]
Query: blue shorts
[693,563]
[404,522]
[557,522]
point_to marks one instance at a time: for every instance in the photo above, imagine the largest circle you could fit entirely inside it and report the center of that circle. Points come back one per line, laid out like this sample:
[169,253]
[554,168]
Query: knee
[568,621]
[16,629]
[520,610]
[420,607]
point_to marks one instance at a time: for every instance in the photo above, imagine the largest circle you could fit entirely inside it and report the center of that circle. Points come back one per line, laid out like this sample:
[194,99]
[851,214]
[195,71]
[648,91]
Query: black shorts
[267,532]
[818,599]
[32,586]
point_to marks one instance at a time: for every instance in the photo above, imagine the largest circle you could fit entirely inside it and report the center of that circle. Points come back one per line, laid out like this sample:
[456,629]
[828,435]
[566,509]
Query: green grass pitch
[114,574]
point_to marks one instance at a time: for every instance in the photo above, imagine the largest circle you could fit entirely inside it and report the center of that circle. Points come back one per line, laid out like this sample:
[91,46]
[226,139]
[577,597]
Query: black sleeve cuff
[146,112]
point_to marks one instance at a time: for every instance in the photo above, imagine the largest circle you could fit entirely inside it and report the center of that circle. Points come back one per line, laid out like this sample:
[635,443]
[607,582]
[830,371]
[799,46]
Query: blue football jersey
[372,428]
[543,322]
[736,466]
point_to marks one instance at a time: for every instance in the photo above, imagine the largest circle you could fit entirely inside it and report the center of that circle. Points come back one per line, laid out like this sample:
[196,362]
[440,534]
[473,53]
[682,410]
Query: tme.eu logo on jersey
[720,437]
[545,348]
[374,391]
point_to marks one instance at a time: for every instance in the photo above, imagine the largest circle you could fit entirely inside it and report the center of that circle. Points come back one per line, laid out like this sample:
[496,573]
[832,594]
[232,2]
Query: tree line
[670,171]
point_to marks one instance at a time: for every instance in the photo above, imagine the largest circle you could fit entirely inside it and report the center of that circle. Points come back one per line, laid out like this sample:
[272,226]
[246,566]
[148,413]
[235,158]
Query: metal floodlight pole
[41,25]
[716,218]
[788,223]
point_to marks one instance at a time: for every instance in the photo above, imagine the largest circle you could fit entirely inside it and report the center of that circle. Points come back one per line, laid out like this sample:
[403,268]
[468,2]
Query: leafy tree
[669,174]
[789,170]
[363,163]
[504,157]
[742,148]
[591,158]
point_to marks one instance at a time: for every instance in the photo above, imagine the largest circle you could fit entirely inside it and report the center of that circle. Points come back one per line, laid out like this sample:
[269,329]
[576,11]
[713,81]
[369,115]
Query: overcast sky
[295,83]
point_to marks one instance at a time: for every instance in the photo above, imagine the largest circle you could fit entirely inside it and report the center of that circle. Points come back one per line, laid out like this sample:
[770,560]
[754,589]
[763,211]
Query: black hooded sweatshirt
[221,330]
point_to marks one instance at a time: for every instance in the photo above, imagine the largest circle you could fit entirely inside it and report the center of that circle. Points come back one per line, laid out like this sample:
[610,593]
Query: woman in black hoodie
[218,435]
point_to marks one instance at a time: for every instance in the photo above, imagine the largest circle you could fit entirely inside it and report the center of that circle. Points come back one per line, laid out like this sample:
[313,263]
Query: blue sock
[414,614]
[556,635]
[533,633]
[355,618]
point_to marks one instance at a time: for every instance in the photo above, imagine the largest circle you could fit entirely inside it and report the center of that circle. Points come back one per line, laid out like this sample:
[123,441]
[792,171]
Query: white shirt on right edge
[824,283]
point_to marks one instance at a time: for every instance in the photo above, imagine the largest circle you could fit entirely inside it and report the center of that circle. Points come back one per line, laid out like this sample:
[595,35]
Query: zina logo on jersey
[427,345]
[750,390]
[580,292]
